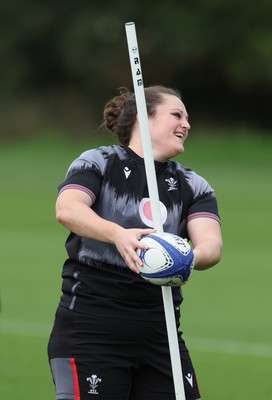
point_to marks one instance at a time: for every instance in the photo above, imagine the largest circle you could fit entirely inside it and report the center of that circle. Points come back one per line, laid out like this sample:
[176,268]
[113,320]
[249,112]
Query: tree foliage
[217,52]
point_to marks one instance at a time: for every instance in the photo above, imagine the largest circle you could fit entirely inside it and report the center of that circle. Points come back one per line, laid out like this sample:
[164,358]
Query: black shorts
[114,359]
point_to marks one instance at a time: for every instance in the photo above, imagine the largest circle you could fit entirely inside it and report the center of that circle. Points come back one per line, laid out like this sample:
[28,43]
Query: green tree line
[61,60]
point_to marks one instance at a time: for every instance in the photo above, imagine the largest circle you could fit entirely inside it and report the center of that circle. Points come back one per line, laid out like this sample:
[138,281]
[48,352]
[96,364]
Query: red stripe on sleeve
[203,215]
[79,187]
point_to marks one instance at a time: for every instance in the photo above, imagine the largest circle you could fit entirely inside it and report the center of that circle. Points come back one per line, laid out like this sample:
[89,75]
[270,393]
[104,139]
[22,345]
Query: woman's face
[169,128]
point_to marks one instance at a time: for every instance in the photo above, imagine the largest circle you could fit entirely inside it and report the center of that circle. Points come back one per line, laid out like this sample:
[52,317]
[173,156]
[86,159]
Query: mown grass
[228,304]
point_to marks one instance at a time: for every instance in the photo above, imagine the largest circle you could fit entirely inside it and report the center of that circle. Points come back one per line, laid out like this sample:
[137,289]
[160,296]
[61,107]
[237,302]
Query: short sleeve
[85,173]
[204,203]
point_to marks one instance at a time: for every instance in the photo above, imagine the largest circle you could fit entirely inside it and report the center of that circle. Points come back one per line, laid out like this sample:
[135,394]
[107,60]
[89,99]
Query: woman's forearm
[207,254]
[79,218]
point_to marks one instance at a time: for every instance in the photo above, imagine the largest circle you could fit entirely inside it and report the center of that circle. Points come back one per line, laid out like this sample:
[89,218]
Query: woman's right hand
[128,241]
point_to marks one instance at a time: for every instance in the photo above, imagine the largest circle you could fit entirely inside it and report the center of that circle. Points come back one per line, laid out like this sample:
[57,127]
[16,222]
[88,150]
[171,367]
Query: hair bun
[114,108]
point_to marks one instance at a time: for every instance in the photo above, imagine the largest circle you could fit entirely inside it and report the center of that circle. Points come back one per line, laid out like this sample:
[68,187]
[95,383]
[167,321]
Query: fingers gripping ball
[168,261]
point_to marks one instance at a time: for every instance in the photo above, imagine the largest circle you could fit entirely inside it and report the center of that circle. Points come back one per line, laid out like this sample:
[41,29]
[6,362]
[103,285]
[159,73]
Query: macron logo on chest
[127,172]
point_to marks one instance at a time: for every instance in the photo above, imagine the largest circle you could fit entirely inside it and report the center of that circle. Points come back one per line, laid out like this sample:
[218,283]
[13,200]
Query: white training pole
[154,200]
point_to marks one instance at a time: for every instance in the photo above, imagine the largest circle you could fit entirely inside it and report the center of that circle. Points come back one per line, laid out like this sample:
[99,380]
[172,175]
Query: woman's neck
[137,148]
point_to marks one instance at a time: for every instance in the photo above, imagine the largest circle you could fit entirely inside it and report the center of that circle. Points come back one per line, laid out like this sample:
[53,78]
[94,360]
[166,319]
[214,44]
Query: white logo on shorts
[93,382]
[189,378]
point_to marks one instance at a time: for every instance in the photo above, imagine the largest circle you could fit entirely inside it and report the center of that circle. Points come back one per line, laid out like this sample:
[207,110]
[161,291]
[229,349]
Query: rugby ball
[168,261]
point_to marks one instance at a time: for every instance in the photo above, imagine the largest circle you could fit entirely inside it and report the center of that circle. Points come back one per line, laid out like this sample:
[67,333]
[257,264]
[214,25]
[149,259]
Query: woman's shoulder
[103,151]
[180,168]
[97,155]
[197,182]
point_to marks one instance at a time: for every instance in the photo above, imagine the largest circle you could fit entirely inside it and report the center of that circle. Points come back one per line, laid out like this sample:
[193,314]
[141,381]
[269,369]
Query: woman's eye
[178,115]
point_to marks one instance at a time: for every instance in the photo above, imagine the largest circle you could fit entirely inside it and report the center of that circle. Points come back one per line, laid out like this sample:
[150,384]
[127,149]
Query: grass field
[226,314]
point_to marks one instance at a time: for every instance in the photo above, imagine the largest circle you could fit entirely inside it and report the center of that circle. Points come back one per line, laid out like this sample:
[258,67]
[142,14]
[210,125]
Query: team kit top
[96,279]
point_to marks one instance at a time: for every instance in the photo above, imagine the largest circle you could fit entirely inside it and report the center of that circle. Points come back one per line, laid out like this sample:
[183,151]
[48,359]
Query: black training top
[95,276]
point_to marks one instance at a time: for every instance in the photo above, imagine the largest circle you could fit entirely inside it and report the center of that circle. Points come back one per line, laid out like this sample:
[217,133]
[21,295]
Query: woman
[109,337]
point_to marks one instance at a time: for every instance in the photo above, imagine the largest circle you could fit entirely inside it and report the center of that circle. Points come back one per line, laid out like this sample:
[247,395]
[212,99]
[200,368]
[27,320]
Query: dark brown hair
[120,112]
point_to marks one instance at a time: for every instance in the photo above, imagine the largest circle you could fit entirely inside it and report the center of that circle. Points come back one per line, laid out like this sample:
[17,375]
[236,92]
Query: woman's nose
[185,124]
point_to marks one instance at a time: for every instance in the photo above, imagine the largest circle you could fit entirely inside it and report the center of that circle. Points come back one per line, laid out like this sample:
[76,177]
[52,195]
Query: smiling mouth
[180,135]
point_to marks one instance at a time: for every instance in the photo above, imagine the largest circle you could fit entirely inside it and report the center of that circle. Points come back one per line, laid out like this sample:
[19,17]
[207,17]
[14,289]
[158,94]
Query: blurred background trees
[62,60]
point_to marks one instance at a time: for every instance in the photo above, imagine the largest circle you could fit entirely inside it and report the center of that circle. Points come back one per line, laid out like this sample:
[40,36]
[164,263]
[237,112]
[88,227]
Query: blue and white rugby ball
[168,261]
